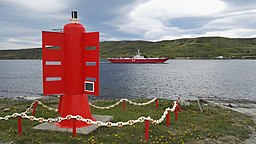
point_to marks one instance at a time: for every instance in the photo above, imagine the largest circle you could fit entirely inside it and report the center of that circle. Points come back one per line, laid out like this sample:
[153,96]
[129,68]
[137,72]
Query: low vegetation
[35,53]
[214,124]
[202,47]
[197,48]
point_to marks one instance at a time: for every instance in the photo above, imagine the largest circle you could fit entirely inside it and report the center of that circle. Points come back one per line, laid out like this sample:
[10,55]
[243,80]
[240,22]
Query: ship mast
[138,51]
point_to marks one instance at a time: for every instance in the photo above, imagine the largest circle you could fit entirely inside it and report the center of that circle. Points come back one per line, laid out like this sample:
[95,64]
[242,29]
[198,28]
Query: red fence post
[156,103]
[124,104]
[34,108]
[168,119]
[60,103]
[176,114]
[74,127]
[178,107]
[146,129]
[19,126]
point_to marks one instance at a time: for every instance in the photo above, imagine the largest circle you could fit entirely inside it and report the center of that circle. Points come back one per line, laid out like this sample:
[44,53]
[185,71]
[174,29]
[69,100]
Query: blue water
[229,79]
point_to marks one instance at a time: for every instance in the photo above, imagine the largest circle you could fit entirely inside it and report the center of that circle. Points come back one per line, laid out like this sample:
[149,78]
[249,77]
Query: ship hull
[133,60]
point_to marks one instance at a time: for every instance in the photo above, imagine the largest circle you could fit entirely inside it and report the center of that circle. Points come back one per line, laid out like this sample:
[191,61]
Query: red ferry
[138,58]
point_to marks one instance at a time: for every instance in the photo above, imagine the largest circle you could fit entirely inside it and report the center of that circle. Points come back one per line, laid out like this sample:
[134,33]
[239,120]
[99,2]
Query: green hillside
[35,53]
[202,47]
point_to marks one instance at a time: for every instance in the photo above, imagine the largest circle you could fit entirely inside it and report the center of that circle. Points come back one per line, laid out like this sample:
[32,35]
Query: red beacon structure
[71,69]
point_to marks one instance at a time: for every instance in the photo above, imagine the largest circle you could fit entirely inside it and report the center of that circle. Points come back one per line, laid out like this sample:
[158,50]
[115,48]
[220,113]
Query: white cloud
[239,24]
[165,9]
[154,20]
[21,42]
[233,33]
[137,19]
[40,6]
[149,19]
[233,20]
[21,28]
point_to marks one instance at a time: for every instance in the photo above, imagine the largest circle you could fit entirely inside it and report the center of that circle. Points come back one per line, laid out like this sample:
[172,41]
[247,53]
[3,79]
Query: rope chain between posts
[94,106]
[121,100]
[88,121]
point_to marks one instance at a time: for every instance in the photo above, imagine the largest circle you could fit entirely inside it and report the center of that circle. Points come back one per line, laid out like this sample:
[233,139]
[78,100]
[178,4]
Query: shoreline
[190,98]
[245,107]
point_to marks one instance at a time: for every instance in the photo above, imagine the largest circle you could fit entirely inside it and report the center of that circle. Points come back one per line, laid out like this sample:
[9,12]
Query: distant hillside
[35,53]
[202,47]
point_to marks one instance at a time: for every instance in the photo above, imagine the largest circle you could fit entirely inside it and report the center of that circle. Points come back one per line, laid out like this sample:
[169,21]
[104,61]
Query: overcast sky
[22,21]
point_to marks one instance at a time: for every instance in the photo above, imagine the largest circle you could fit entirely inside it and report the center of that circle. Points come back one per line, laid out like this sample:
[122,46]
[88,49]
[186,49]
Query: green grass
[34,53]
[201,47]
[192,126]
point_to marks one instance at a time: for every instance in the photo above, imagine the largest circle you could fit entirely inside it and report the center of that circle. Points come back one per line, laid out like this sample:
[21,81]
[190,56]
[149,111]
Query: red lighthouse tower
[71,68]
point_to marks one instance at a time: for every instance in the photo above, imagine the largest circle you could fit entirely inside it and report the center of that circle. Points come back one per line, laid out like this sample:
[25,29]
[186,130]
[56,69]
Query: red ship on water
[138,58]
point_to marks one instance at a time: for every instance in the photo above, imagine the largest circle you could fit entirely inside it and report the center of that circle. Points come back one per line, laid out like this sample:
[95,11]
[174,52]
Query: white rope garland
[94,106]
[47,107]
[89,121]
[121,100]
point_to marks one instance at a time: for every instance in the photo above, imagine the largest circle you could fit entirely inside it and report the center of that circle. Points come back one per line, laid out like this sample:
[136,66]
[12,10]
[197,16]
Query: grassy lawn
[213,124]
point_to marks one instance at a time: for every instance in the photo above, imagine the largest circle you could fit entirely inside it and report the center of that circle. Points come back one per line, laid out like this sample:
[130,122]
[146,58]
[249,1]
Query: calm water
[231,79]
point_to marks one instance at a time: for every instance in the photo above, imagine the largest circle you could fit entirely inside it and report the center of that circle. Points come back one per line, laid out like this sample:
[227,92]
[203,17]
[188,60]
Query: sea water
[225,79]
